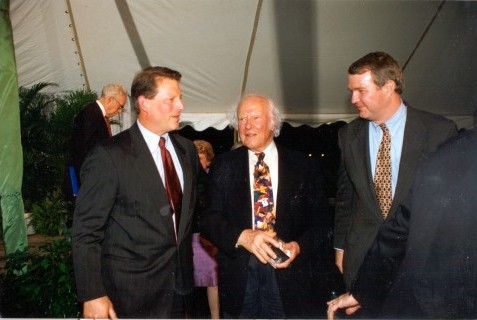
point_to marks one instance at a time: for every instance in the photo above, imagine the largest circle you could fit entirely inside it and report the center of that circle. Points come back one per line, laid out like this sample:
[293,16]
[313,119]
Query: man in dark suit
[376,83]
[132,254]
[249,286]
[91,125]
[434,236]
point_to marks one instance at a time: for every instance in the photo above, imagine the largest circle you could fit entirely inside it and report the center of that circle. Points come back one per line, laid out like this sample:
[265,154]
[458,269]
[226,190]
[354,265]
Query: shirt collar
[395,119]
[103,110]
[270,152]
[151,138]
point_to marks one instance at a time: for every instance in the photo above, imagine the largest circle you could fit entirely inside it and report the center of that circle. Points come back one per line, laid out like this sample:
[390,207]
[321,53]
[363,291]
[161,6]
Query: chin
[364,115]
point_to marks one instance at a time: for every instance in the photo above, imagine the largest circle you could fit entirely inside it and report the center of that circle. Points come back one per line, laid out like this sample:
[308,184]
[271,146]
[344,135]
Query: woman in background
[205,266]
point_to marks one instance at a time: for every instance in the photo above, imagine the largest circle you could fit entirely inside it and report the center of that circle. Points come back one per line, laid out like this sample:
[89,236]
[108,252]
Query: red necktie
[173,185]
[108,125]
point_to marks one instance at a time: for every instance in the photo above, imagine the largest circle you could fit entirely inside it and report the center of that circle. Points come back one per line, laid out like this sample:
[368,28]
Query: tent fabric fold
[11,155]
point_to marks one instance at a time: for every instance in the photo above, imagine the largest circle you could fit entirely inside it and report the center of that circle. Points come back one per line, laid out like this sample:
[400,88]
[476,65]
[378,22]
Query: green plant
[40,284]
[46,128]
[49,216]
[38,172]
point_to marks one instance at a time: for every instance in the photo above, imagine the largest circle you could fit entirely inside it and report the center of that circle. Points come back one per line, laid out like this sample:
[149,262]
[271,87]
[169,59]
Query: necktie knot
[162,143]
[260,167]
[260,156]
[384,128]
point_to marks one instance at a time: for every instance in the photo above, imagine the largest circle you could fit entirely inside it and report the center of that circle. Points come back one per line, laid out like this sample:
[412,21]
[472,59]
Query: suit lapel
[286,178]
[415,137]
[147,172]
[241,177]
[186,166]
[359,154]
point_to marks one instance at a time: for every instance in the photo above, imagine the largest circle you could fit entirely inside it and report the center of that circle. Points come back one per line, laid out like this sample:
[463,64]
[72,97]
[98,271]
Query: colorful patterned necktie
[173,185]
[263,196]
[382,176]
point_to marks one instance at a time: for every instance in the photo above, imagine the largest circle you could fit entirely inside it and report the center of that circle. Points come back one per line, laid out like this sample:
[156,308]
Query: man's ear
[143,104]
[390,87]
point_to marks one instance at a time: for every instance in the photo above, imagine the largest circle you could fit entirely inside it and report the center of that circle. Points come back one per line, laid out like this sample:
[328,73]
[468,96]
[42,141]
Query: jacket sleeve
[93,206]
[343,201]
[379,268]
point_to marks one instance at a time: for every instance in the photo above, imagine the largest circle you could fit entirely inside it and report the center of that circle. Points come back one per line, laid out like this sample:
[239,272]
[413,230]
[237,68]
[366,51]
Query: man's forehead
[250,107]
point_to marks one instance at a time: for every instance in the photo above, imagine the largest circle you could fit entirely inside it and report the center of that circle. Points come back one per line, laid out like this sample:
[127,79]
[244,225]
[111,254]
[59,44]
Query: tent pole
[250,47]
[78,47]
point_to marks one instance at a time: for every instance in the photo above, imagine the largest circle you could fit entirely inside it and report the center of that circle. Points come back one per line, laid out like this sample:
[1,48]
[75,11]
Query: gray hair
[114,90]
[274,114]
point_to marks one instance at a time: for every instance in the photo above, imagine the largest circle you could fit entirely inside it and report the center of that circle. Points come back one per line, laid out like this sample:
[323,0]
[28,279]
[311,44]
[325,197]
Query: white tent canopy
[296,52]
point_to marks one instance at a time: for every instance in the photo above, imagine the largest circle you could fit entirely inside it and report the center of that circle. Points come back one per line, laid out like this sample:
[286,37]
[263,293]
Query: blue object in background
[74,181]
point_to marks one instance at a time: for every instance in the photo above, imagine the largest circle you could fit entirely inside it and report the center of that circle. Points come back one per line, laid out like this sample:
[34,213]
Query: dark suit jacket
[124,244]
[89,129]
[301,215]
[357,215]
[437,278]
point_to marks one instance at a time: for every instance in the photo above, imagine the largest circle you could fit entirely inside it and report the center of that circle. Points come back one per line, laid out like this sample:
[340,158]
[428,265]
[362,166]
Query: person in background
[263,197]
[422,263]
[132,235]
[92,126]
[205,266]
[380,152]
[205,152]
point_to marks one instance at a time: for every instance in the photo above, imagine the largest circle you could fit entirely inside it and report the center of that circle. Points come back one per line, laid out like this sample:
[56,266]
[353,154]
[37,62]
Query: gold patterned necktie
[173,185]
[382,176]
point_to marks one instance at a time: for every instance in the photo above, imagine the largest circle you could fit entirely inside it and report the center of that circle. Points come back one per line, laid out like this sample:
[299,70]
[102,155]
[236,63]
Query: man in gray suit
[132,254]
[376,83]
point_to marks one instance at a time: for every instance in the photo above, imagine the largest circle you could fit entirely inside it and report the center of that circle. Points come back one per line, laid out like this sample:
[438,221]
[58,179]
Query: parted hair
[144,83]
[383,67]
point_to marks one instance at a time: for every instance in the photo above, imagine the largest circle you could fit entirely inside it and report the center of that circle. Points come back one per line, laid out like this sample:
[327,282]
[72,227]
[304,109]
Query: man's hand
[294,250]
[345,301]
[258,243]
[339,259]
[100,308]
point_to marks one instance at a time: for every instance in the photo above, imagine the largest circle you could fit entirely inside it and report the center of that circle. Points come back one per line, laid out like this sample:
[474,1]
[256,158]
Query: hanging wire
[418,44]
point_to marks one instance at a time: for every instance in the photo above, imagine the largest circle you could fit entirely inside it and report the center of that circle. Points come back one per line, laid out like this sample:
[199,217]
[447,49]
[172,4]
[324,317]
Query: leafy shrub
[40,284]
[49,216]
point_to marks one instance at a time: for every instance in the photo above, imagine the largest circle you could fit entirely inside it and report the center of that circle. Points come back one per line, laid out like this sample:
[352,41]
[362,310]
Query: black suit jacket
[301,215]
[435,232]
[357,215]
[124,244]
[89,128]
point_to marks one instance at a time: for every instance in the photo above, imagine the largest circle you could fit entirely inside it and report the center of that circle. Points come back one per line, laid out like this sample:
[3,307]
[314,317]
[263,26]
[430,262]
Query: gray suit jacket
[124,244]
[357,215]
